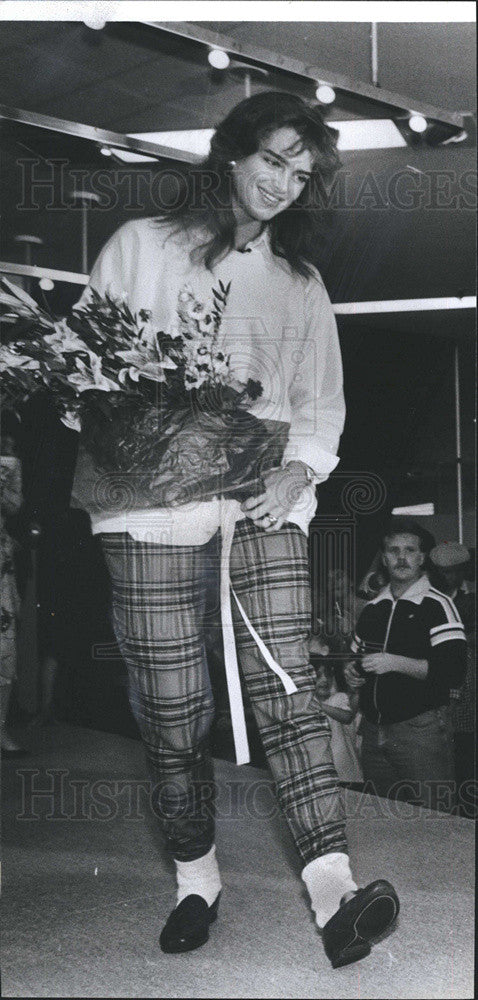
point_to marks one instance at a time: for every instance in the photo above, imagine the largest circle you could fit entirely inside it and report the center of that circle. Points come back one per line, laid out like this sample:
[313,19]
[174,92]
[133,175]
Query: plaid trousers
[158,606]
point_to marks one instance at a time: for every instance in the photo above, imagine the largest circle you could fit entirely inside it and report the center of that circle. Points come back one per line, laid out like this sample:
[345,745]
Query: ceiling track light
[325,93]
[94,22]
[218,59]
[417,123]
[420,130]
[46,284]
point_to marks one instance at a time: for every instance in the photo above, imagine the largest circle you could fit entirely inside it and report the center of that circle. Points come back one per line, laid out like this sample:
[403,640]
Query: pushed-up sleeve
[447,659]
[316,393]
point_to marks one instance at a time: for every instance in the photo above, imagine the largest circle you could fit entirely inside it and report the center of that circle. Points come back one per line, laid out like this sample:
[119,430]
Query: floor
[87,887]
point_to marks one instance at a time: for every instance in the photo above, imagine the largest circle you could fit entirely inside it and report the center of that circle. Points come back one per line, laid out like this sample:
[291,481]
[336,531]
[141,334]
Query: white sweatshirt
[278,327]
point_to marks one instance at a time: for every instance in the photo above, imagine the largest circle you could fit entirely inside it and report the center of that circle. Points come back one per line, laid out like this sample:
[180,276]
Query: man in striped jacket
[411,650]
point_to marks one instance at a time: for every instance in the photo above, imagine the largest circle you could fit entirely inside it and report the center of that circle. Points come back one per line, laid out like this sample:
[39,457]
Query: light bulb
[417,123]
[218,59]
[95,22]
[46,284]
[325,94]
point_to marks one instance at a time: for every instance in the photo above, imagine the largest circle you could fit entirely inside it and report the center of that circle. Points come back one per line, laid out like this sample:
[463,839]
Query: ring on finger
[271,519]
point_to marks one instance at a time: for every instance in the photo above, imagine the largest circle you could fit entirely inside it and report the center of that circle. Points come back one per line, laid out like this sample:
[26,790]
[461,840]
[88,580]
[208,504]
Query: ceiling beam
[404,305]
[100,137]
[340,308]
[266,57]
[32,271]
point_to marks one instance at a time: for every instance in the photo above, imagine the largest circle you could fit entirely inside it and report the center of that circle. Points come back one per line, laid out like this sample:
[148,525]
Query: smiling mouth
[269,198]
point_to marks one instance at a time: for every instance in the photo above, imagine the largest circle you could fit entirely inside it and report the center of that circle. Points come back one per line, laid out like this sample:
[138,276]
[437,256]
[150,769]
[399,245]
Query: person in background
[329,650]
[48,455]
[344,605]
[411,650]
[374,580]
[449,564]
[11,499]
[376,577]
[341,706]
[341,612]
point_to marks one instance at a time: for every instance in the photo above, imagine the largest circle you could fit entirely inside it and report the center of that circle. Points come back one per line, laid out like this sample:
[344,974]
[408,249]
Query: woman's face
[269,181]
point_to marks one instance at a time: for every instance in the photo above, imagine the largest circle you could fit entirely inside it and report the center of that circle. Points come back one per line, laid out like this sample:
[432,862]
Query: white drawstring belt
[229,515]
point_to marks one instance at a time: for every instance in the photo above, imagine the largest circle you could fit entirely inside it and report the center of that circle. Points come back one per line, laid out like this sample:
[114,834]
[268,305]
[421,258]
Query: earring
[232,163]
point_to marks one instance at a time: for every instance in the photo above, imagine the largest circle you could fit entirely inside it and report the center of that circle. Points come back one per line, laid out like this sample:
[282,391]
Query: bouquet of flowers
[162,419]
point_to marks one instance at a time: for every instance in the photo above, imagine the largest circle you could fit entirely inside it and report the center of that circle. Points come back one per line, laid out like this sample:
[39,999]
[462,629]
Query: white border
[235,10]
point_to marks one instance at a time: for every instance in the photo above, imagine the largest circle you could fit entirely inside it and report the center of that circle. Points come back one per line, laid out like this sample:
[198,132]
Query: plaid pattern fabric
[270,575]
[158,616]
[158,603]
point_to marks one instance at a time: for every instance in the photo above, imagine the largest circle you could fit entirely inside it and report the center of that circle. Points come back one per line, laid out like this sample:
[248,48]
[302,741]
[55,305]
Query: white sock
[200,877]
[328,878]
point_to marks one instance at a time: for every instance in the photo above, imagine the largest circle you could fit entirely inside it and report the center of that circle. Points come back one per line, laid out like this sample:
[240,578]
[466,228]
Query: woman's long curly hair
[208,197]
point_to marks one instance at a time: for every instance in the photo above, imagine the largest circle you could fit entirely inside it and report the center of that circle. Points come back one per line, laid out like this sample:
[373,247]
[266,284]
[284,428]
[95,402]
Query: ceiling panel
[318,44]
[428,60]
[14,33]
[43,64]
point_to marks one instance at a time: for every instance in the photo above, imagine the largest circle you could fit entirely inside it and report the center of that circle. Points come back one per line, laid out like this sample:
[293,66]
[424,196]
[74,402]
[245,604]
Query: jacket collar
[415,592]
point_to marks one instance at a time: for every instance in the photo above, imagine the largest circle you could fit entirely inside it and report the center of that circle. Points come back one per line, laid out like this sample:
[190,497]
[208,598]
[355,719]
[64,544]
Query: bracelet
[309,474]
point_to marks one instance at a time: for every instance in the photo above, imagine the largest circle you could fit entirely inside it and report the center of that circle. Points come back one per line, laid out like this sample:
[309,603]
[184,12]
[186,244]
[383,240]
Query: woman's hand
[283,489]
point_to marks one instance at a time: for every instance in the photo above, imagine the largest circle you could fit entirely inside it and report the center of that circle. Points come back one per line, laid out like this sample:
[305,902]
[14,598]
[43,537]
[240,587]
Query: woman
[250,221]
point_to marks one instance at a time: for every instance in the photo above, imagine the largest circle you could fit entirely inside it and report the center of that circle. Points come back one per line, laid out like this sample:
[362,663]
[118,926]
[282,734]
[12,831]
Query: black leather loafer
[348,934]
[187,927]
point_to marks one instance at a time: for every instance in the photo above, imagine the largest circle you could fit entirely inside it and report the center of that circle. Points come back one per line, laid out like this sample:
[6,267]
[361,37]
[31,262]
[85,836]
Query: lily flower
[91,377]
[64,339]
[148,334]
[10,359]
[18,294]
[144,363]
[71,420]
[151,370]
